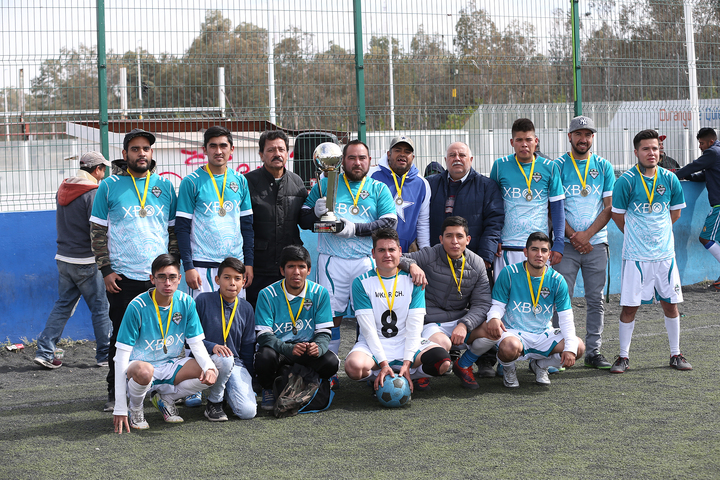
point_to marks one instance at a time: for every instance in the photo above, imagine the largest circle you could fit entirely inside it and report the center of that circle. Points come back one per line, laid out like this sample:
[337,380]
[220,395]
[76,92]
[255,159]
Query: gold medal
[398,188]
[650,193]
[537,309]
[462,271]
[221,212]
[354,210]
[164,349]
[399,201]
[221,196]
[293,318]
[528,180]
[294,330]
[226,328]
[584,192]
[528,197]
[142,213]
[167,329]
[583,180]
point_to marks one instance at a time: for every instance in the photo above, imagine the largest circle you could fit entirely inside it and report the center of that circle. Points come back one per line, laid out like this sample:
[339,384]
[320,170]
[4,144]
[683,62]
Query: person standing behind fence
[588,181]
[411,191]
[214,216]
[666,161]
[78,274]
[132,222]
[277,197]
[707,169]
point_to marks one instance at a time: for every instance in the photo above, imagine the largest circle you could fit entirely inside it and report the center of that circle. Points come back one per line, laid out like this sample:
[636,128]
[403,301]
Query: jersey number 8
[389,326]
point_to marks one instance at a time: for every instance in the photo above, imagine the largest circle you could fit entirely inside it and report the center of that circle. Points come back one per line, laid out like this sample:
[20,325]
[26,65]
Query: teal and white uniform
[581,212]
[214,238]
[272,315]
[133,241]
[523,217]
[648,228]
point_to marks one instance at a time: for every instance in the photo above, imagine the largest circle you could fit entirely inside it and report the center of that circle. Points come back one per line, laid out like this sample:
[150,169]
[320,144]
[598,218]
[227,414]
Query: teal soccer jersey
[140,328]
[272,315]
[511,289]
[581,212]
[648,228]
[523,217]
[374,202]
[213,238]
[135,241]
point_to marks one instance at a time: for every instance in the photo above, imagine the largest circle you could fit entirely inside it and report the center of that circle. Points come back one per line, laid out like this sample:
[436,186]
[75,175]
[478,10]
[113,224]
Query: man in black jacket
[277,196]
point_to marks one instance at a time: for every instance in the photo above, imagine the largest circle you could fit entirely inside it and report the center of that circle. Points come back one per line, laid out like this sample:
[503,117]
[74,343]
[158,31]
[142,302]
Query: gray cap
[91,159]
[402,139]
[137,132]
[582,123]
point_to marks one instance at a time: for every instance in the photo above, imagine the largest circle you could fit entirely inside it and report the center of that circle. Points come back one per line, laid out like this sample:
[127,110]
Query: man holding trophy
[346,207]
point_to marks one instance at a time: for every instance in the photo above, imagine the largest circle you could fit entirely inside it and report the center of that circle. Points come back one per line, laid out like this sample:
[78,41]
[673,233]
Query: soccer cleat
[268,399]
[421,384]
[510,377]
[466,376]
[334,383]
[51,364]
[555,369]
[167,408]
[621,364]
[486,367]
[678,362]
[541,374]
[597,361]
[214,412]
[109,406]
[136,418]
[194,400]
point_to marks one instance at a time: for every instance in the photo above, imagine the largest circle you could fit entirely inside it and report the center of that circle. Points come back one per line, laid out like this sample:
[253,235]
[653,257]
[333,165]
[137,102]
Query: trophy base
[330,226]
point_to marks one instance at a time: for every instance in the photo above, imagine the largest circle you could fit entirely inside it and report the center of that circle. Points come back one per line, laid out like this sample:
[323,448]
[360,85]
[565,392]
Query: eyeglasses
[136,149]
[163,277]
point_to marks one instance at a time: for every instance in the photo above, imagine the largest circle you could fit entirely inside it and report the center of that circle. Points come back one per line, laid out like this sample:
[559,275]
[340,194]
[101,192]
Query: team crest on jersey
[307,305]
[234,187]
[594,173]
[364,194]
[545,292]
[177,317]
[537,176]
[660,189]
[156,191]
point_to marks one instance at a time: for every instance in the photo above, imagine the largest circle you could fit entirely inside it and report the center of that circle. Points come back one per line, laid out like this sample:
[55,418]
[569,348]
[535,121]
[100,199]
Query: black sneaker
[597,361]
[621,364]
[214,412]
[678,362]
[486,366]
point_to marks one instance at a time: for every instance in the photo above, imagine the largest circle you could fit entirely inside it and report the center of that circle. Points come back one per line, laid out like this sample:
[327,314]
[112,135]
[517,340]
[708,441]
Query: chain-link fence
[438,71]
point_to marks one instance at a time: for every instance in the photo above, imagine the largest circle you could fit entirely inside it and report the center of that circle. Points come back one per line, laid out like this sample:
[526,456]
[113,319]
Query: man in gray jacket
[457,295]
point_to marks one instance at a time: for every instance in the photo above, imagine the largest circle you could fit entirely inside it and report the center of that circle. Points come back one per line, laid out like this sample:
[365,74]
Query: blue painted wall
[28,275]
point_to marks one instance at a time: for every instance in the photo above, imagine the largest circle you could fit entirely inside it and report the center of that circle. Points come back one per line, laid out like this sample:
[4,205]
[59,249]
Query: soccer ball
[395,392]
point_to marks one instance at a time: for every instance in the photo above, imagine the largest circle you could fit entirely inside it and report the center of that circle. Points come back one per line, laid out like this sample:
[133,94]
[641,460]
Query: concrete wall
[28,275]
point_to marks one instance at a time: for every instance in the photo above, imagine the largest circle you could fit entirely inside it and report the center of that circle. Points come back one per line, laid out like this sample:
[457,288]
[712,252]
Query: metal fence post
[102,81]
[577,79]
[359,71]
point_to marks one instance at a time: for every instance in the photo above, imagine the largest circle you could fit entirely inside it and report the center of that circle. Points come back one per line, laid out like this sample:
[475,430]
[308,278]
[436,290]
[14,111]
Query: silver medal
[585,192]
[221,211]
[142,213]
[399,201]
[528,197]
[354,210]
[294,330]
[164,349]
[538,310]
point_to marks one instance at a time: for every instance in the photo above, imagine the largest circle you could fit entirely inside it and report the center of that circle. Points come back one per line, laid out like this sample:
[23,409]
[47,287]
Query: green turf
[651,422]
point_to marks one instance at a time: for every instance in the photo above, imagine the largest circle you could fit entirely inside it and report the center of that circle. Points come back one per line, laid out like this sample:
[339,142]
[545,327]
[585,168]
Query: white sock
[137,392]
[481,345]
[672,325]
[554,360]
[626,331]
[510,365]
[714,249]
[187,387]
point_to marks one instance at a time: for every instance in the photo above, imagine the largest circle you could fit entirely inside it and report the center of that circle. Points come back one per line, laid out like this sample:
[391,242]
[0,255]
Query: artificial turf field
[651,422]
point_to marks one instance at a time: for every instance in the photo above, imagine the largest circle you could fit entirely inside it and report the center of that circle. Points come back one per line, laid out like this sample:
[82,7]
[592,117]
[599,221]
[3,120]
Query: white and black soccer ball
[395,392]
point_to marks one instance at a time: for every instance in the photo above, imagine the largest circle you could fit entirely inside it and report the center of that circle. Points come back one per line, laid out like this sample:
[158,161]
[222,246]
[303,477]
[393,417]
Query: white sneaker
[167,408]
[510,376]
[136,418]
[541,374]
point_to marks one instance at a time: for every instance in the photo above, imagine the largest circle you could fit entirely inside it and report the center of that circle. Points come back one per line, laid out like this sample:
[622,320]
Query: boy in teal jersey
[647,200]
[151,353]
[525,297]
[293,319]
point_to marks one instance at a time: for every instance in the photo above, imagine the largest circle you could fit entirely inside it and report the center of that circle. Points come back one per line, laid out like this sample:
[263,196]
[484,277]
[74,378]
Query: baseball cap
[91,159]
[137,132]
[402,139]
[662,138]
[582,122]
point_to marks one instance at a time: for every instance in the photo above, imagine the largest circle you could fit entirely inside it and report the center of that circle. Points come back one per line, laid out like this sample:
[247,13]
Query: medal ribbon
[642,179]
[462,270]
[355,197]
[226,330]
[583,181]
[212,177]
[144,197]
[532,294]
[532,170]
[293,317]
[157,310]
[382,284]
[399,188]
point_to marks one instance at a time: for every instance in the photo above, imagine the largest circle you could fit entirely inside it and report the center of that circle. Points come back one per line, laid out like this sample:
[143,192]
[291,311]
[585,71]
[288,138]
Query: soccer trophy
[327,156]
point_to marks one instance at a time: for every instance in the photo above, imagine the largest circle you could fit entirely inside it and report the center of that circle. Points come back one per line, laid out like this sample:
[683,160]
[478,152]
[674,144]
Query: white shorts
[337,274]
[394,350]
[508,257]
[430,329]
[535,343]
[164,375]
[208,283]
[648,282]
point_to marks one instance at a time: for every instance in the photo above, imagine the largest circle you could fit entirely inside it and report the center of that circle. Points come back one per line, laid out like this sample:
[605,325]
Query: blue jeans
[75,280]
[235,385]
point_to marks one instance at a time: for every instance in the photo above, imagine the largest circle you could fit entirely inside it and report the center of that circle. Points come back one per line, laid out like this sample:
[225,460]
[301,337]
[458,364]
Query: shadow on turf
[33,367]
